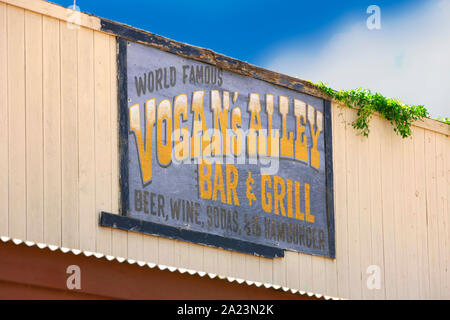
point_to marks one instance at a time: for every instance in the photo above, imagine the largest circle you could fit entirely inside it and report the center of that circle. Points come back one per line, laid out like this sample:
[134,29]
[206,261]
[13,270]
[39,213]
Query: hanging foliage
[400,115]
[443,119]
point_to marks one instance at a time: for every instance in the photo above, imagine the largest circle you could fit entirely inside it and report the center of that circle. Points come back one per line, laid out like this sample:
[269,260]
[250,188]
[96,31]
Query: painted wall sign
[217,158]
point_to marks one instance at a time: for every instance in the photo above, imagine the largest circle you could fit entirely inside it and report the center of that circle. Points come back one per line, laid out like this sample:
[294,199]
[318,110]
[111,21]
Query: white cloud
[409,58]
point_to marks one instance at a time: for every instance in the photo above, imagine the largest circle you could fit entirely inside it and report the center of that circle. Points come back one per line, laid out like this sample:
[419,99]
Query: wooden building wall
[59,168]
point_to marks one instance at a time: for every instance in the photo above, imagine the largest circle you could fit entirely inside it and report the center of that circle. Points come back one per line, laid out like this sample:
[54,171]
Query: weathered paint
[275,193]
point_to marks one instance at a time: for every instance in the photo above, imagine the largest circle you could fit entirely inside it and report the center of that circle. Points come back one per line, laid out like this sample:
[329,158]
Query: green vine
[443,119]
[399,114]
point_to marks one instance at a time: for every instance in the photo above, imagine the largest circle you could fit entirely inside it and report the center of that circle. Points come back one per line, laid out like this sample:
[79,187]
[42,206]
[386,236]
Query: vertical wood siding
[59,167]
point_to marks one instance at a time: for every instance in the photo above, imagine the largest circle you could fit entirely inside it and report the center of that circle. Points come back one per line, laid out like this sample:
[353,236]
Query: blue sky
[315,40]
[241,29]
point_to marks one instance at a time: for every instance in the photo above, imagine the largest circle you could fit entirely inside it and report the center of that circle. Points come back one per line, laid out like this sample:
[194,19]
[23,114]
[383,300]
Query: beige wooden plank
[447,208]
[376,211]
[387,194]
[238,265]
[318,275]
[151,249]
[102,99]
[4,165]
[56,11]
[210,260]
[433,125]
[400,221]
[305,272]
[265,269]
[34,121]
[340,200]
[17,125]
[331,277]
[447,175]
[69,136]
[443,220]
[166,252]
[135,248]
[410,226]
[52,131]
[292,266]
[252,268]
[119,237]
[86,140]
[195,257]
[419,201]
[119,245]
[432,216]
[365,221]
[224,260]
[279,272]
[353,188]
[180,252]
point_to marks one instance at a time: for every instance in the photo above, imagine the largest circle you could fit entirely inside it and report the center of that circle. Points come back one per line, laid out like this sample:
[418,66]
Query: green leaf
[400,115]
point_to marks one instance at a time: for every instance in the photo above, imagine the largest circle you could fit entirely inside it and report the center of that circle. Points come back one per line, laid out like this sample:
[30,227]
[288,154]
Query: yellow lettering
[309,216]
[254,106]
[165,149]
[144,152]
[278,195]
[199,125]
[287,143]
[218,183]
[315,156]
[290,209]
[266,198]
[299,215]
[269,110]
[220,119]
[181,147]
[236,141]
[301,144]
[205,193]
[232,184]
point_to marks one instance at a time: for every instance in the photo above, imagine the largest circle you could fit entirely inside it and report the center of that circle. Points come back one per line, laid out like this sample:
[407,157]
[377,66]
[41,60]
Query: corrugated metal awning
[161,267]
